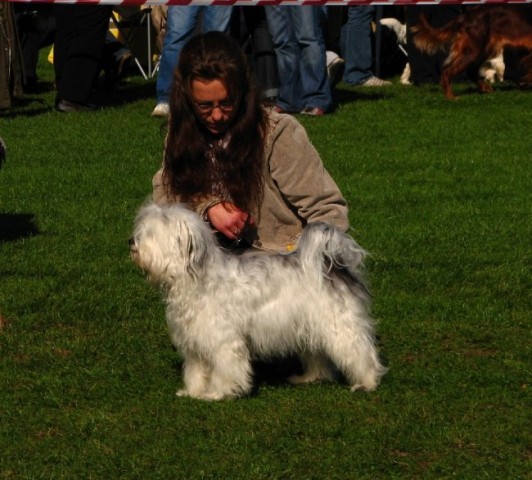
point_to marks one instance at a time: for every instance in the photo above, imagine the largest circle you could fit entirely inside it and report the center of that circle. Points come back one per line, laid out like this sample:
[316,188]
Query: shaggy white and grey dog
[224,309]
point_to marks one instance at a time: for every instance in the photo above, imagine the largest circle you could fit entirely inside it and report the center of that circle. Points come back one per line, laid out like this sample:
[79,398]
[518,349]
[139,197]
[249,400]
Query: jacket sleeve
[299,174]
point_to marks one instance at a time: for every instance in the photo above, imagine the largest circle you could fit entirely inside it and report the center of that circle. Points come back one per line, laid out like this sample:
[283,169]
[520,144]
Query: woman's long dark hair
[188,166]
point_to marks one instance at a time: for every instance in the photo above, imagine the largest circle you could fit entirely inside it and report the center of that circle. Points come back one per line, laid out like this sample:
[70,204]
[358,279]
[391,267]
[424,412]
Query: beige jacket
[297,188]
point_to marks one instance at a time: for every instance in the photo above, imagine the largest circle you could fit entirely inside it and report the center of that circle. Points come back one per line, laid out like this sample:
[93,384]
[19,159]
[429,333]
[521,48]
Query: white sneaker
[335,70]
[161,110]
[374,82]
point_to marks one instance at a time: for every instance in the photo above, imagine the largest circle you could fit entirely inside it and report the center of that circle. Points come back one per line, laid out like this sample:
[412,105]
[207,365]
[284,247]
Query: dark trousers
[36,30]
[249,27]
[10,59]
[79,39]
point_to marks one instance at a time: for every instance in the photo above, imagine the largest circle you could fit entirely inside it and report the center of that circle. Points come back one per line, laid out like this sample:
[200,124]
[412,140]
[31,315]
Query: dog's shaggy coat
[224,309]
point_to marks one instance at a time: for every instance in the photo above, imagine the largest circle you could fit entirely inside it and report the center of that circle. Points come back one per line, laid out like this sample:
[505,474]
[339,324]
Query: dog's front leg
[445,82]
[231,374]
[458,61]
[405,76]
[484,87]
[196,375]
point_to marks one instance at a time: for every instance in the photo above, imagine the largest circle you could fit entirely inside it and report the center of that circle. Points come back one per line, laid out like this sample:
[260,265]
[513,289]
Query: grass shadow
[342,95]
[32,103]
[27,107]
[14,226]
[125,93]
[275,371]
[41,87]
[270,372]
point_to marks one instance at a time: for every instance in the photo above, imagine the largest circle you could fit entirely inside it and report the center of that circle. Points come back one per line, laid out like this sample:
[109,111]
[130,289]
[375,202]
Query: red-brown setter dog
[476,35]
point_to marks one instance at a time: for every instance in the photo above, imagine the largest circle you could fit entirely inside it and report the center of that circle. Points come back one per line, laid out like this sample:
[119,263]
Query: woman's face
[213,105]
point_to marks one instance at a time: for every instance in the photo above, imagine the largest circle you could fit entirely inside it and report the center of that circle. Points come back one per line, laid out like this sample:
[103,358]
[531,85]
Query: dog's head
[169,242]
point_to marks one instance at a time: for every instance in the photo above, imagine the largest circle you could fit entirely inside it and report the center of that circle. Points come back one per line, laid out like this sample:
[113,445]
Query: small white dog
[224,309]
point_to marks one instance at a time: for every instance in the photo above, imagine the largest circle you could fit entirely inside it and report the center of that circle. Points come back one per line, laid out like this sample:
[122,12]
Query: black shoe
[67,107]
[123,64]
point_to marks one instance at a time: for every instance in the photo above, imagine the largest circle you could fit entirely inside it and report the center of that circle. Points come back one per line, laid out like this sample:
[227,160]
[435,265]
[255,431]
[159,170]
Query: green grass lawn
[439,193]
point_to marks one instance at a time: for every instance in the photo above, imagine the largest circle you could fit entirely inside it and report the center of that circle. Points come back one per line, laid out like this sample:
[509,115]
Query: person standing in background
[79,40]
[250,29]
[181,23]
[356,48]
[298,40]
[36,30]
[11,67]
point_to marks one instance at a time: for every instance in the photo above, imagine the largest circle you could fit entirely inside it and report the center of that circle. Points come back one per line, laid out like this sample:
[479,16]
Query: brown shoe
[313,111]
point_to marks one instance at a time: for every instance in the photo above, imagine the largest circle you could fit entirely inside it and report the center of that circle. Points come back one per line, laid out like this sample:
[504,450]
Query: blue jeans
[181,24]
[355,44]
[300,49]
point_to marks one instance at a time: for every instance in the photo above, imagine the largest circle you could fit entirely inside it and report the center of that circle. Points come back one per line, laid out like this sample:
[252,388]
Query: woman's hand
[228,219]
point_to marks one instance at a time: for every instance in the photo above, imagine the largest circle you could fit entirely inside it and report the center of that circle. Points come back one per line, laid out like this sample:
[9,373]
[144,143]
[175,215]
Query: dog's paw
[484,87]
[298,379]
[309,378]
[368,387]
[209,396]
[213,396]
[320,373]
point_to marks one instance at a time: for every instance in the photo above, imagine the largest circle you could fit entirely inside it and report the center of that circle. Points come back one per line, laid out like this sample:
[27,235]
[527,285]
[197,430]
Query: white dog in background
[399,29]
[492,69]
[224,309]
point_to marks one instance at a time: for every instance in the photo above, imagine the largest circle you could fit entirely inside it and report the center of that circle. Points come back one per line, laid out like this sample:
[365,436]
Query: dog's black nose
[131,242]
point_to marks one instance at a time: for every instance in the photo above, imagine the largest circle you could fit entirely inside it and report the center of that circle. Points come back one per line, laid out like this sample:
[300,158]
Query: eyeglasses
[205,108]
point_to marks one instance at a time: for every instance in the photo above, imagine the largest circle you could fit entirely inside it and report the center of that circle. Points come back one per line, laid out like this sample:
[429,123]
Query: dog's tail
[429,39]
[324,250]
[398,28]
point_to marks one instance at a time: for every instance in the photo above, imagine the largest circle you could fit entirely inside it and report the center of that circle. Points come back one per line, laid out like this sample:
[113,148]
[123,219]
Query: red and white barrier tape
[277,2]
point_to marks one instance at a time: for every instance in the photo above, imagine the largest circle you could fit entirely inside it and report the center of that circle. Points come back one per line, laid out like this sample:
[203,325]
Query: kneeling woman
[250,172]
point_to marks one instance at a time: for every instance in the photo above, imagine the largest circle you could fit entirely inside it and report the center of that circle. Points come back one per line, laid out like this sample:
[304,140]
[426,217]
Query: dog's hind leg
[353,351]
[451,71]
[461,56]
[316,368]
[365,374]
